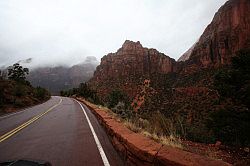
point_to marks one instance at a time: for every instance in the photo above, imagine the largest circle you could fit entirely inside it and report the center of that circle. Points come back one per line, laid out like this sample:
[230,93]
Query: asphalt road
[58,131]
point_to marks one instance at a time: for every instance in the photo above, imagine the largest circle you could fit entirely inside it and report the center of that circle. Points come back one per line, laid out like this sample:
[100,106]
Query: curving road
[61,131]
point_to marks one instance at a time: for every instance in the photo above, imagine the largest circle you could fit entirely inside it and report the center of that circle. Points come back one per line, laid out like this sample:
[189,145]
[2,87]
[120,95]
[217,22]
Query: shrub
[19,103]
[17,73]
[83,90]
[230,126]
[41,93]
[20,90]
[199,133]
[122,111]
[234,82]
[117,96]
[1,96]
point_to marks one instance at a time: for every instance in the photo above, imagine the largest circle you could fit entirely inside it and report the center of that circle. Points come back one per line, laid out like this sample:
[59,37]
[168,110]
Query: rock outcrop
[133,59]
[123,69]
[187,54]
[228,33]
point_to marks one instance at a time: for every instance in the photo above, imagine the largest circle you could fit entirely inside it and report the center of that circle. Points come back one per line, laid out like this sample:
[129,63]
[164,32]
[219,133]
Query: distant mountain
[61,77]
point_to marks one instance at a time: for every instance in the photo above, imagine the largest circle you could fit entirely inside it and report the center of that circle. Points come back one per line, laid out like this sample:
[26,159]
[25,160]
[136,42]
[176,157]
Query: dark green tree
[234,82]
[18,73]
[41,93]
[231,124]
[117,96]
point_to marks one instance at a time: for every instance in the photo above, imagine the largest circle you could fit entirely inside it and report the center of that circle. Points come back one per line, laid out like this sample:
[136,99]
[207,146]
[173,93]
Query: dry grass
[173,141]
[131,126]
[146,128]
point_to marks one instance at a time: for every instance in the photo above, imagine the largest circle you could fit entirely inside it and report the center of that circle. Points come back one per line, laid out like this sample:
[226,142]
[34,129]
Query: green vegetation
[41,93]
[17,73]
[16,92]
[1,96]
[83,90]
[235,81]
[117,96]
[206,106]
[231,124]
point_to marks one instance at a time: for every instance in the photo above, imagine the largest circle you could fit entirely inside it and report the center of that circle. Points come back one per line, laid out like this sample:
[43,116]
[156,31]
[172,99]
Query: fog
[65,32]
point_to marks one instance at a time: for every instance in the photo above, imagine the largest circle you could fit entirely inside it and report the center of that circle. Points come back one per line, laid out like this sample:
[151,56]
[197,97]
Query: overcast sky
[66,31]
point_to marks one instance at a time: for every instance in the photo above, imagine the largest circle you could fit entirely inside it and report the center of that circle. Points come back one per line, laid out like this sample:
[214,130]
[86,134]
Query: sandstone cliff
[224,36]
[187,54]
[185,93]
[133,59]
[124,69]
[227,34]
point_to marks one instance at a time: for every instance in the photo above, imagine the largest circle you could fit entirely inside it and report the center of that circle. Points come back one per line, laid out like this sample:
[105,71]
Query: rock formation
[133,59]
[227,34]
[187,54]
[130,63]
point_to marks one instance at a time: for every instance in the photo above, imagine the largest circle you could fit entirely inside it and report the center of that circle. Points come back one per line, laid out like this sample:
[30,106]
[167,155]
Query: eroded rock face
[128,67]
[132,64]
[133,59]
[187,54]
[227,34]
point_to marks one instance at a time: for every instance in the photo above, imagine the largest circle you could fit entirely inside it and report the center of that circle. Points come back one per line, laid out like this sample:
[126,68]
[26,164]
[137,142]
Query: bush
[232,127]
[20,90]
[1,96]
[117,96]
[234,82]
[84,91]
[122,111]
[19,103]
[41,93]
[199,133]
[17,73]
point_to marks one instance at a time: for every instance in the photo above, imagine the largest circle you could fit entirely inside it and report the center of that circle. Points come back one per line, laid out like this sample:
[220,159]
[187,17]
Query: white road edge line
[99,146]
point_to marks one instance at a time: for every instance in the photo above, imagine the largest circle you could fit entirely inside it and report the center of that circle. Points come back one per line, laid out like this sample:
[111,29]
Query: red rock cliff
[133,59]
[127,68]
[228,32]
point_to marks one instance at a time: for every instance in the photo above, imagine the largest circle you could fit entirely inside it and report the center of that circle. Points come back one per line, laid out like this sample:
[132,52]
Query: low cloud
[65,32]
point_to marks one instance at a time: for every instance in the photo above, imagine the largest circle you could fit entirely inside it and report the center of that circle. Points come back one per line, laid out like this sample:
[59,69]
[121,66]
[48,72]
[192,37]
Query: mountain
[224,36]
[187,54]
[130,63]
[60,78]
[203,99]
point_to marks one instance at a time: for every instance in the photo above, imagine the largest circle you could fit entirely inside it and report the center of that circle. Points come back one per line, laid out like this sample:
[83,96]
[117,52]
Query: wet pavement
[62,136]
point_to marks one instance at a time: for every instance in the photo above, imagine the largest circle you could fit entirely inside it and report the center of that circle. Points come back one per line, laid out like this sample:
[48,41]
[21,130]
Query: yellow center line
[22,126]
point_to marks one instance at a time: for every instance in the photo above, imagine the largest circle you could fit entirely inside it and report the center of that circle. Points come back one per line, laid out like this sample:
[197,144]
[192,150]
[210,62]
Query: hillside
[203,99]
[17,93]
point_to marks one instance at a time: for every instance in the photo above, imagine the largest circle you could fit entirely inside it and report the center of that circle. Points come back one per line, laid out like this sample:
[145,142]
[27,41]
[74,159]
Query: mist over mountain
[63,77]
